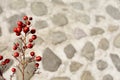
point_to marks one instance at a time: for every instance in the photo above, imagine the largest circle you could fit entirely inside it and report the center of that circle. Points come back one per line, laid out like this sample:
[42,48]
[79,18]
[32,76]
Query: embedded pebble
[79,33]
[116,41]
[88,51]
[60,78]
[101,65]
[96,31]
[1,10]
[107,77]
[58,37]
[75,66]
[39,8]
[103,44]
[113,12]
[59,19]
[50,61]
[41,24]
[77,5]
[58,1]
[113,28]
[86,75]
[116,61]
[69,51]
[17,4]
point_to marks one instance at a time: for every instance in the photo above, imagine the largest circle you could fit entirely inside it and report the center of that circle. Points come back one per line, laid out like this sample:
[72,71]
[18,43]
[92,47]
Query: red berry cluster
[23,29]
[5,61]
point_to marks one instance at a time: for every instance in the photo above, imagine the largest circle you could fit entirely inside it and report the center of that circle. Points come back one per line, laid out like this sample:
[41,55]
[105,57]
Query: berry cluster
[22,30]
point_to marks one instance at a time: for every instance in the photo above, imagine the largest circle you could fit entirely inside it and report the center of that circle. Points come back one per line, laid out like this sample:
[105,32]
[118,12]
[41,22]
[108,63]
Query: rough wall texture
[78,39]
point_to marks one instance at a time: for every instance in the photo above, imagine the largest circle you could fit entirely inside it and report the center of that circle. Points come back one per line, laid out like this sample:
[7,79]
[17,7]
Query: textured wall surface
[78,39]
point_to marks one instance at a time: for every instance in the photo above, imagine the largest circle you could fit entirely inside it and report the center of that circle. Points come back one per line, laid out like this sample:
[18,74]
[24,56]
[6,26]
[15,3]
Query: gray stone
[57,37]
[75,66]
[103,44]
[101,65]
[1,10]
[13,21]
[17,4]
[41,24]
[96,31]
[59,19]
[50,61]
[69,51]
[107,77]
[88,51]
[39,41]
[113,28]
[116,61]
[113,12]
[60,78]
[77,5]
[0,32]
[39,8]
[87,76]
[79,33]
[58,1]
[116,41]
[83,18]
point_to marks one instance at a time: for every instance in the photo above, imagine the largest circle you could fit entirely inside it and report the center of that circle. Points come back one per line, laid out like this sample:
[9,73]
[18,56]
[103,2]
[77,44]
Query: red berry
[18,34]
[32,53]
[28,22]
[3,63]
[23,25]
[30,45]
[16,54]
[19,23]
[37,65]
[1,57]
[38,58]
[7,60]
[15,29]
[17,44]
[19,29]
[13,70]
[14,47]
[25,18]
[30,40]
[24,47]
[34,37]
[30,18]
[33,31]
[26,29]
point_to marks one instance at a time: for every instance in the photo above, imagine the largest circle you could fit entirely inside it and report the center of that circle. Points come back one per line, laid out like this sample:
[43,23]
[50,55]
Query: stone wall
[78,39]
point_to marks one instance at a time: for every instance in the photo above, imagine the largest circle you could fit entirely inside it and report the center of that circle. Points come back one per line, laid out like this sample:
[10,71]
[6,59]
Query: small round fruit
[34,37]
[13,70]
[30,45]
[16,54]
[37,65]
[3,63]
[30,18]
[18,34]
[26,29]
[19,23]
[25,18]
[15,29]
[7,60]
[32,53]
[17,44]
[30,40]
[32,31]
[1,57]
[14,47]
[19,29]
[38,58]
[28,22]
